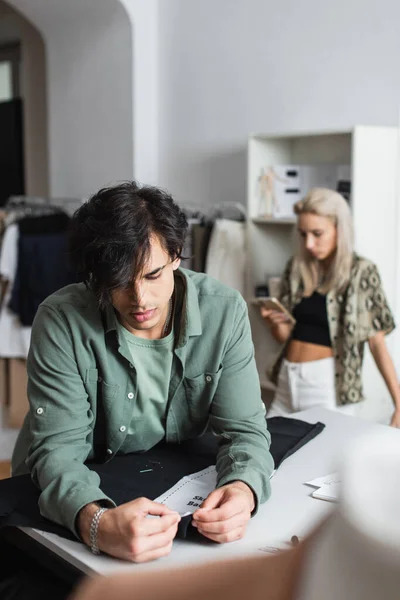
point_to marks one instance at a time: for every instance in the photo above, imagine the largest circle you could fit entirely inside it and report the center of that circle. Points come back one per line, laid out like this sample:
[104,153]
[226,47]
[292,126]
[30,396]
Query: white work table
[291,510]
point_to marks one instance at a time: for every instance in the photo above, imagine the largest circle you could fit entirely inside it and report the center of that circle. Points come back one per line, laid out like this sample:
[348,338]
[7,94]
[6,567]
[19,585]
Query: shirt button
[131,365]
[122,428]
[131,395]
[109,451]
[39,410]
[208,378]
[99,379]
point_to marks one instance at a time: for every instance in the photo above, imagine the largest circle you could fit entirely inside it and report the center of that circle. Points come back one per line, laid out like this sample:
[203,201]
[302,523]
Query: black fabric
[42,266]
[201,234]
[289,435]
[312,321]
[128,477]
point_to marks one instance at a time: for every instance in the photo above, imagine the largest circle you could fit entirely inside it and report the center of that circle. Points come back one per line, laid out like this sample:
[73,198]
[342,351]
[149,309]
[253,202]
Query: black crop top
[312,321]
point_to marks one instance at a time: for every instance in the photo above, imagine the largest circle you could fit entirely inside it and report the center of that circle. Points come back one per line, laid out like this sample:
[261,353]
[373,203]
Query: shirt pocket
[199,393]
[99,390]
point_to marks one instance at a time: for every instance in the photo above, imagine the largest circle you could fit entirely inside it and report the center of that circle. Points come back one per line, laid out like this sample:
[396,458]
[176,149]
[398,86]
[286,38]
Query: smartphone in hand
[272,303]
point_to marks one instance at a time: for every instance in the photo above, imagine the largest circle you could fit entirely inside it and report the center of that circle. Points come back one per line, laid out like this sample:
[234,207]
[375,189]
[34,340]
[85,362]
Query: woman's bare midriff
[299,352]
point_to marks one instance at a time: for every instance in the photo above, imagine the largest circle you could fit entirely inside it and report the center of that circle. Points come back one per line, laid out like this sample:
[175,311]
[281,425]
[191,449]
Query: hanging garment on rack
[3,215]
[42,263]
[55,222]
[68,205]
[187,252]
[201,234]
[14,338]
[18,207]
[226,255]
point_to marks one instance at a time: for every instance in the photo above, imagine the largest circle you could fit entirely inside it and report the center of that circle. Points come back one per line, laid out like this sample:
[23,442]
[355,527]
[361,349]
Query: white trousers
[306,385]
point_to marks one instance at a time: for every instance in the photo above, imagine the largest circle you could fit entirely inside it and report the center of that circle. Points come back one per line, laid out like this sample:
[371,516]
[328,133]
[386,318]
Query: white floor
[7,438]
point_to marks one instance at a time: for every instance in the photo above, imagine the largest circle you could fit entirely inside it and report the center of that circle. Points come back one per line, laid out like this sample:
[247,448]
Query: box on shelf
[287,189]
[281,186]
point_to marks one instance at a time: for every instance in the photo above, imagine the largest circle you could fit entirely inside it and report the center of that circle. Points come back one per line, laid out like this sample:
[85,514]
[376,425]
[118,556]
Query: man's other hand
[224,515]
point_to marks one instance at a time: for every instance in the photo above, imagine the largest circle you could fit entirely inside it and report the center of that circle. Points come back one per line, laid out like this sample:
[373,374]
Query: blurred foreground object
[357,554]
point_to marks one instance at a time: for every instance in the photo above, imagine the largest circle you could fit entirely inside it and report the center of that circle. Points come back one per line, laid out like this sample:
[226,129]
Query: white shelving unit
[373,154]
[271,220]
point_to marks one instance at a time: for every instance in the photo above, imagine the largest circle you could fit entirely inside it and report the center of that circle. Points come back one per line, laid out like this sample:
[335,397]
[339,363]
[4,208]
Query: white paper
[188,494]
[326,480]
[328,492]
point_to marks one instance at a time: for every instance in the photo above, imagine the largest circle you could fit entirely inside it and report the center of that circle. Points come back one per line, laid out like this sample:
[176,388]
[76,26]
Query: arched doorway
[89,91]
[23,112]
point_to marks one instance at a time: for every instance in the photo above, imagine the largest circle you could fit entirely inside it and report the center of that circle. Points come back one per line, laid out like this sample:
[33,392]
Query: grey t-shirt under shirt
[153,361]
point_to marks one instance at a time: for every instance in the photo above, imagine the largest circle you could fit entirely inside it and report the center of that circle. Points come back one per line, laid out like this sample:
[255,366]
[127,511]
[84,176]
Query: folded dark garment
[289,435]
[147,474]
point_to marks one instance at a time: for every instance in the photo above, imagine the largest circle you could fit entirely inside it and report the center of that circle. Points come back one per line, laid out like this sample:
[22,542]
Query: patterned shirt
[354,315]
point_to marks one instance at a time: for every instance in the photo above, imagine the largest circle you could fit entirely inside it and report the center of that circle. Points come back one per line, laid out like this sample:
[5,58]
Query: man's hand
[127,531]
[224,515]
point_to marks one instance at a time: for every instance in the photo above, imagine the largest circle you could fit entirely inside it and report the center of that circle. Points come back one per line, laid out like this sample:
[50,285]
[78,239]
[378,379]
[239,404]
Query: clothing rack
[40,206]
[221,210]
[69,205]
[201,221]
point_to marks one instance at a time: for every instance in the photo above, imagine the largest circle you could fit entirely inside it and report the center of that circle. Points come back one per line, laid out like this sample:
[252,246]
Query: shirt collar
[110,318]
[187,307]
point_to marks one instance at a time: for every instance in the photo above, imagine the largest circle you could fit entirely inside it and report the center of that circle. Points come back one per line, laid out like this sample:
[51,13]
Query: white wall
[144,19]
[90,91]
[34,90]
[206,74]
[90,104]
[228,68]
[15,28]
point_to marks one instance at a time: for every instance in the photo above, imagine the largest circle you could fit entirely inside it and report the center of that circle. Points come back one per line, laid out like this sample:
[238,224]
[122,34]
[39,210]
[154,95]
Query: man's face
[142,308]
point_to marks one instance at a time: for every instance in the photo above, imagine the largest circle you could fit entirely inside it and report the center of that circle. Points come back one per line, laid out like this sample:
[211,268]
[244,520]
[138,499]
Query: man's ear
[176,263]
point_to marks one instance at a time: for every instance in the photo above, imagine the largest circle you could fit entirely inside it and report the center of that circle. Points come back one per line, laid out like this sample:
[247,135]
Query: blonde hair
[325,203]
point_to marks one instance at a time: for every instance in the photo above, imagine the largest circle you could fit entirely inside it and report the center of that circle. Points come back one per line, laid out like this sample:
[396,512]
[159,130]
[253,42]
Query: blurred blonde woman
[338,302]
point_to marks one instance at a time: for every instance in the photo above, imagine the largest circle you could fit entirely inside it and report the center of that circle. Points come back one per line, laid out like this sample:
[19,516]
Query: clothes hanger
[220,211]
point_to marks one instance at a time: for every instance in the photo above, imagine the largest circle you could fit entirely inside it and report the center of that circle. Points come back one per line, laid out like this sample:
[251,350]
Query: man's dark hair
[110,235]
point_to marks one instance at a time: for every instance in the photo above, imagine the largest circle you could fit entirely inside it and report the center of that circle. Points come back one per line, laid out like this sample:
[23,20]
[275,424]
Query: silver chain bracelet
[94,526]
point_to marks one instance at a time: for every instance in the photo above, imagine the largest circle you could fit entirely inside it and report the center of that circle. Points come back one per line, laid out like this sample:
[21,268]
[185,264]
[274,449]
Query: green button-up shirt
[79,362]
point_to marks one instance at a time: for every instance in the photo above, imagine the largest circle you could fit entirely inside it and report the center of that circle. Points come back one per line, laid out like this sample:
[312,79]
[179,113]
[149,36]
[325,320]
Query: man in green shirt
[164,353]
